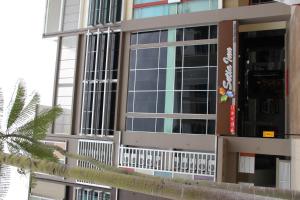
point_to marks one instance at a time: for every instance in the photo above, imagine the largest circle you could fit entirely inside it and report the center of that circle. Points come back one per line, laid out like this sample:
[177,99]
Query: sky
[24,54]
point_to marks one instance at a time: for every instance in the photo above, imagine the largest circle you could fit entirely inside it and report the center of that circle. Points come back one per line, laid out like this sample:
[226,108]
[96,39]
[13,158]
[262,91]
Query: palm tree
[24,128]
[168,188]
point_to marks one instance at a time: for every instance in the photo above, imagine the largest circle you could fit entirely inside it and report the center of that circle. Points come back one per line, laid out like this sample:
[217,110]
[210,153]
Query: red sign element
[232,119]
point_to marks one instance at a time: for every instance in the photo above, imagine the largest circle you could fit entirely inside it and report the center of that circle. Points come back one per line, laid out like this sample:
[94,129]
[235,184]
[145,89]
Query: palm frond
[37,128]
[27,114]
[37,149]
[1,108]
[16,104]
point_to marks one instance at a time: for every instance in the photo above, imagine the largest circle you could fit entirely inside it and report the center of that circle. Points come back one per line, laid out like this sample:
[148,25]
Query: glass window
[213,55]
[212,78]
[148,37]
[146,79]
[196,33]
[147,58]
[142,124]
[195,78]
[211,127]
[194,102]
[213,31]
[194,126]
[160,125]
[163,57]
[145,98]
[195,56]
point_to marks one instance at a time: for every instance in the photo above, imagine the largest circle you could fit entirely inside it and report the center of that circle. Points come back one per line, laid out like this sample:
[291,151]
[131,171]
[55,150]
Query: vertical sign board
[227,75]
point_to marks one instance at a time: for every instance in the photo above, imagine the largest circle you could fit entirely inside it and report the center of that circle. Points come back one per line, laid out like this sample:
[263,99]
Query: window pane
[179,34]
[147,58]
[194,126]
[163,57]
[148,37]
[162,79]
[164,36]
[178,79]
[196,33]
[195,55]
[160,125]
[213,55]
[130,102]
[132,59]
[129,124]
[194,102]
[213,31]
[211,127]
[131,80]
[142,124]
[195,78]
[211,102]
[212,78]
[176,126]
[146,80]
[133,38]
[178,60]
[161,102]
[145,98]
[177,102]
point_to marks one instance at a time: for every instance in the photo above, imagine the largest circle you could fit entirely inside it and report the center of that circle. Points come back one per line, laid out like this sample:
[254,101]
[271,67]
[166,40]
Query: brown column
[294,94]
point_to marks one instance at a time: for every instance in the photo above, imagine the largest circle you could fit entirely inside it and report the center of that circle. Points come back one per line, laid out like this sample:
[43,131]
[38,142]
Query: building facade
[193,89]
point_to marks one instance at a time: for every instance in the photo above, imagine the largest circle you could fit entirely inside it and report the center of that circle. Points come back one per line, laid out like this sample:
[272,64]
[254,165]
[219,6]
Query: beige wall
[49,190]
[294,95]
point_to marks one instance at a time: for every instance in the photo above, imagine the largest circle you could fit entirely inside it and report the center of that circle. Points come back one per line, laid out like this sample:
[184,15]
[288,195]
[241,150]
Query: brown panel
[204,143]
[226,122]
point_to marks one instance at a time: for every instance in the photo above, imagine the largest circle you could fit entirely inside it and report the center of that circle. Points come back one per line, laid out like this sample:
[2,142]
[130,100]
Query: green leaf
[224,98]
[38,127]
[17,103]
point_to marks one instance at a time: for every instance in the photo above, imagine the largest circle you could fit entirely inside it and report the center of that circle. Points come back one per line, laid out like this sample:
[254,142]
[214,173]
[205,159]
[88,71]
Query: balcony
[179,162]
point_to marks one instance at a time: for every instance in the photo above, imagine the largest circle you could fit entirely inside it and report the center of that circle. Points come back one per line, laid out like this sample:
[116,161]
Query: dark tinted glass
[213,32]
[164,36]
[162,79]
[142,124]
[211,102]
[147,58]
[177,102]
[160,125]
[212,78]
[196,33]
[161,102]
[129,124]
[145,102]
[196,56]
[179,34]
[132,59]
[178,79]
[131,80]
[195,78]
[213,55]
[178,61]
[146,79]
[163,57]
[148,37]
[193,126]
[194,102]
[130,102]
[133,39]
[176,126]
[211,127]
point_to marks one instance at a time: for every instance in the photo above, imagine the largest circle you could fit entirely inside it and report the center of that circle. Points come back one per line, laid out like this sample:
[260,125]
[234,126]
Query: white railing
[99,150]
[168,161]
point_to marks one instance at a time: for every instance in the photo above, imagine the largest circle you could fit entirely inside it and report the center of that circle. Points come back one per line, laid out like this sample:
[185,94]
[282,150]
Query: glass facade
[89,194]
[169,79]
[154,8]
[104,11]
[100,83]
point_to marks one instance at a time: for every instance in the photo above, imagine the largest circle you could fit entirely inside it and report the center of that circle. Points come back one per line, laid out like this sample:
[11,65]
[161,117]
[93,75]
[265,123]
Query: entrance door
[261,89]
